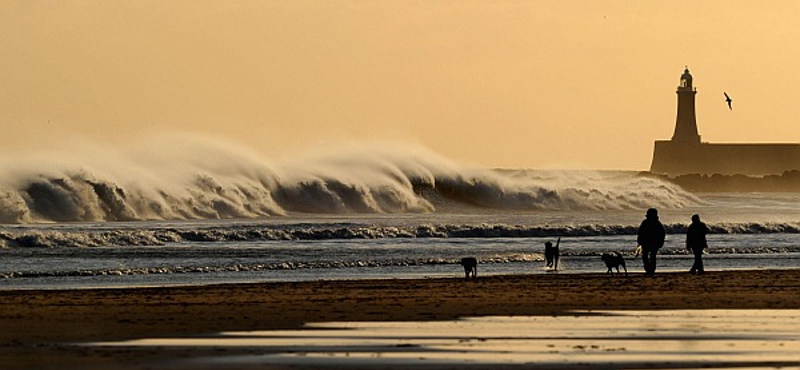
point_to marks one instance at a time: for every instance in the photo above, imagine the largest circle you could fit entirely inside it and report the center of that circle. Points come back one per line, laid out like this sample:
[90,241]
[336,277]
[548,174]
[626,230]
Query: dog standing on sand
[470,267]
[551,254]
[614,260]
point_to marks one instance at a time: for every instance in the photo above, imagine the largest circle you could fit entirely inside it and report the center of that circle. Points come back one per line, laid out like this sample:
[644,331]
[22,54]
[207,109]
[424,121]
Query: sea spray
[127,236]
[186,177]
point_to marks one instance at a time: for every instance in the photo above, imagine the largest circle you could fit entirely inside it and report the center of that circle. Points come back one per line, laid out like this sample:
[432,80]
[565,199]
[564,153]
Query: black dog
[614,261]
[551,254]
[470,267]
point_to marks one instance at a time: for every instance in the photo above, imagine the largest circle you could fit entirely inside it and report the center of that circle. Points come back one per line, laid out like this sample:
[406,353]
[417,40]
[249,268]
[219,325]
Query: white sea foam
[126,236]
[190,177]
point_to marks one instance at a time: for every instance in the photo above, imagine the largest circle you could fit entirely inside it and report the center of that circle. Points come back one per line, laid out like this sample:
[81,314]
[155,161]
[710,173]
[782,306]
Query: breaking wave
[162,236]
[194,178]
[367,263]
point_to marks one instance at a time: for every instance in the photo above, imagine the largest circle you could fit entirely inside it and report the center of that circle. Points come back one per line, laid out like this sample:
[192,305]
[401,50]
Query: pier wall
[676,158]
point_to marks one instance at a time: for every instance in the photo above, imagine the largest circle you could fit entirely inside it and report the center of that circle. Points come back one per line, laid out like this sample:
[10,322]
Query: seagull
[728,100]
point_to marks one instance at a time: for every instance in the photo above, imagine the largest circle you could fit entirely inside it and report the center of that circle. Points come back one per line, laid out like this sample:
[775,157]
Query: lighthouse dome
[686,78]
[686,75]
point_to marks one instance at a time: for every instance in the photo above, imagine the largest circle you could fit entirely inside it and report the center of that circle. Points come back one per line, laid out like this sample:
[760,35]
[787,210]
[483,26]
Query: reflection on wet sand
[591,339]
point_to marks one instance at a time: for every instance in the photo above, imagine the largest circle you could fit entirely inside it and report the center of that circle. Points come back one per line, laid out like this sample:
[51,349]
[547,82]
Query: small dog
[614,260]
[551,254]
[470,267]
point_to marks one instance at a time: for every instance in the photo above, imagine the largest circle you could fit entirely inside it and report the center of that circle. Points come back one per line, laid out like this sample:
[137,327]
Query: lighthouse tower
[686,122]
[685,154]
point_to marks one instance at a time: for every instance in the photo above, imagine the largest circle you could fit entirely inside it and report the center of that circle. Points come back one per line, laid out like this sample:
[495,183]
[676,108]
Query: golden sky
[534,84]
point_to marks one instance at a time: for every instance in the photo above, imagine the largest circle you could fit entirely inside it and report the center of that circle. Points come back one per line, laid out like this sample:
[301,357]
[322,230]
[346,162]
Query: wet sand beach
[48,328]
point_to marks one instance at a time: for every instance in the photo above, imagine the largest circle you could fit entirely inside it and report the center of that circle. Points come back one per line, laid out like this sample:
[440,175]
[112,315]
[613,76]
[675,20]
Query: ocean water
[355,246]
[355,216]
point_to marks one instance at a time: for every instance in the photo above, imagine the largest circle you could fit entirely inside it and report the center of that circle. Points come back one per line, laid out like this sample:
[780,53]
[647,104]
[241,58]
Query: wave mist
[185,177]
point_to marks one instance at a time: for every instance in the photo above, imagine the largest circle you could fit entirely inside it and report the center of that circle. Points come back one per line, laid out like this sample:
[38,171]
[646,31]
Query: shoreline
[35,321]
[264,305]
[455,274]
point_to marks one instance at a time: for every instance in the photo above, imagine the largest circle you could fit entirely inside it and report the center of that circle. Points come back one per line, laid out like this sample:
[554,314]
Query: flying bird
[728,100]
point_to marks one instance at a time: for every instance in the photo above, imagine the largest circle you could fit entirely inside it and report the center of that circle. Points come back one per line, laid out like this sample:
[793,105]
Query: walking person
[651,239]
[696,242]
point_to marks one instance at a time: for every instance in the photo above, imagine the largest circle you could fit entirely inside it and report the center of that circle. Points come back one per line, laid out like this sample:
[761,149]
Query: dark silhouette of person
[651,239]
[551,254]
[696,242]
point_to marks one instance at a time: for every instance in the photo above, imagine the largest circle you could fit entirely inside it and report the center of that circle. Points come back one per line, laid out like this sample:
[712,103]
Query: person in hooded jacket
[651,238]
[696,242]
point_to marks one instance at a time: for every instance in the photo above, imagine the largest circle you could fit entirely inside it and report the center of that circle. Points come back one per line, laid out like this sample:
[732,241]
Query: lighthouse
[685,154]
[686,122]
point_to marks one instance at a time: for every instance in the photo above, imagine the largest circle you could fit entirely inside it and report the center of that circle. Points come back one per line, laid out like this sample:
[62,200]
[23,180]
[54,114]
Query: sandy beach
[39,328]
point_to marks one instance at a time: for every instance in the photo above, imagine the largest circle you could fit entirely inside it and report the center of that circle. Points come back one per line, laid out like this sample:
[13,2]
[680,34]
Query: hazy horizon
[501,84]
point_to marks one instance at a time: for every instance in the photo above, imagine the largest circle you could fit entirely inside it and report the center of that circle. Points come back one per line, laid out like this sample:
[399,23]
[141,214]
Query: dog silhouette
[551,254]
[470,267]
[614,260]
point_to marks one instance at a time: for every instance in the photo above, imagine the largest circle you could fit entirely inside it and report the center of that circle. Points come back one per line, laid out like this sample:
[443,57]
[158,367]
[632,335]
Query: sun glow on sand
[594,339]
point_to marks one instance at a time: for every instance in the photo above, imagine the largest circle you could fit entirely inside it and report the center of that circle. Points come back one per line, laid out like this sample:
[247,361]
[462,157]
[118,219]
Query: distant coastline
[787,182]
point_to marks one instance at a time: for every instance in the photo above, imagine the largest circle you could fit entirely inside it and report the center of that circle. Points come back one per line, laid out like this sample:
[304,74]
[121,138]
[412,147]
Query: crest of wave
[191,177]
[163,177]
[591,190]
